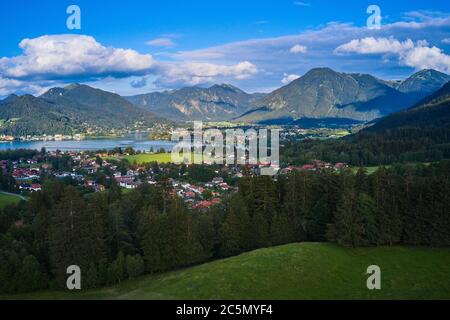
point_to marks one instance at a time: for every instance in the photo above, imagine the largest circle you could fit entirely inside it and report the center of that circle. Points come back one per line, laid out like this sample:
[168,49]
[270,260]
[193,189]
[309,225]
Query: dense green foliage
[420,134]
[114,236]
[295,271]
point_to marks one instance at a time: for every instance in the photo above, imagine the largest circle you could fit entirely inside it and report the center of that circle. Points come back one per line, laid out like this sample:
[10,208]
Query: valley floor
[295,271]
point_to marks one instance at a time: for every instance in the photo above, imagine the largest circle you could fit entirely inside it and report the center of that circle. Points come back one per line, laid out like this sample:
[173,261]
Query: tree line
[115,236]
[373,148]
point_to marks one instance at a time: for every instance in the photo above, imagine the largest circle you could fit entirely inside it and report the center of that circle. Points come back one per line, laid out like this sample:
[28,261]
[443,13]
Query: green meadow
[8,199]
[295,271]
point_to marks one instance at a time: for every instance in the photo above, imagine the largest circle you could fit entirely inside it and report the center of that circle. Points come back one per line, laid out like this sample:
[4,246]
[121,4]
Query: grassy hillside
[7,199]
[296,271]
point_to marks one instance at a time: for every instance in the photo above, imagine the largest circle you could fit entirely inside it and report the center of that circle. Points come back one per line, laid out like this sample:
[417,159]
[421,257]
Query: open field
[296,271]
[147,158]
[7,199]
[153,157]
[373,169]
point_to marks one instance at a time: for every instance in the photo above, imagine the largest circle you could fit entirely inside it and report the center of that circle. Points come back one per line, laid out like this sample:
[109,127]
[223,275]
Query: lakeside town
[164,132]
[159,131]
[200,186]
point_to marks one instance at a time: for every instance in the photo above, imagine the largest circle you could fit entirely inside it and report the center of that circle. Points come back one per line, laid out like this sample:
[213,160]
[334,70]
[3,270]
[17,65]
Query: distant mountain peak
[217,103]
[427,71]
[321,69]
[325,93]
[72,86]
[10,98]
[424,82]
[27,97]
[77,109]
[226,86]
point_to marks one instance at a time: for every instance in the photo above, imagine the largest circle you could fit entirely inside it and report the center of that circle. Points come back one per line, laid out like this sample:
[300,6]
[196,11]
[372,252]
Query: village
[96,172]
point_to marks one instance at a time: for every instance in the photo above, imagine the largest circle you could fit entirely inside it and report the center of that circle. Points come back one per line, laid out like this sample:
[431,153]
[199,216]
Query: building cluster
[84,171]
[201,195]
[6,138]
[95,172]
[315,166]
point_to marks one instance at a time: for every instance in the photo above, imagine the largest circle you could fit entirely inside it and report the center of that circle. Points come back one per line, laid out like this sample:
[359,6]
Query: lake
[89,144]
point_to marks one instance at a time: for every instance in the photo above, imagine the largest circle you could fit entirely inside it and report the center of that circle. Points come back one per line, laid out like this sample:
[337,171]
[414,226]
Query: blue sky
[138,46]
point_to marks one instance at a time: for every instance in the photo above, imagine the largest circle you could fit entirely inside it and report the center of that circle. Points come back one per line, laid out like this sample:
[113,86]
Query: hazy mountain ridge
[432,112]
[321,94]
[75,108]
[217,103]
[325,93]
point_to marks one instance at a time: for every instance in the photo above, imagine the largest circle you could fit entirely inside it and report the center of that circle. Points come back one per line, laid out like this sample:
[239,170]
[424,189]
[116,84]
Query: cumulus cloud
[418,55]
[161,42]
[373,45]
[73,57]
[269,58]
[288,78]
[9,86]
[446,40]
[68,56]
[273,57]
[298,49]
[427,58]
[196,73]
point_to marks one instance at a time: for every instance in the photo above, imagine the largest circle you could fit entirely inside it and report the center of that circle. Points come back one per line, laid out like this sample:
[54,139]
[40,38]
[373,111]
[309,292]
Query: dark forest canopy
[420,134]
[113,236]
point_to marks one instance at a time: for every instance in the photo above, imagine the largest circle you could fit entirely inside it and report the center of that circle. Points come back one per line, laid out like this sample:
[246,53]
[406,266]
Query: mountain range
[73,109]
[320,96]
[431,113]
[324,93]
[217,103]
[418,134]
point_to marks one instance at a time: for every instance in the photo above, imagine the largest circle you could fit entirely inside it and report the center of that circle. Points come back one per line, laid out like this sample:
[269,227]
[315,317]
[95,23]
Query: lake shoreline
[89,144]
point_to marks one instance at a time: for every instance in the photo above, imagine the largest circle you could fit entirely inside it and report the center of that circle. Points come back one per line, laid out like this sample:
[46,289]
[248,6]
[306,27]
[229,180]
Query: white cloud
[270,58]
[65,56]
[289,78]
[427,58]
[446,40]
[9,86]
[373,45]
[196,73]
[69,57]
[418,55]
[161,42]
[298,49]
